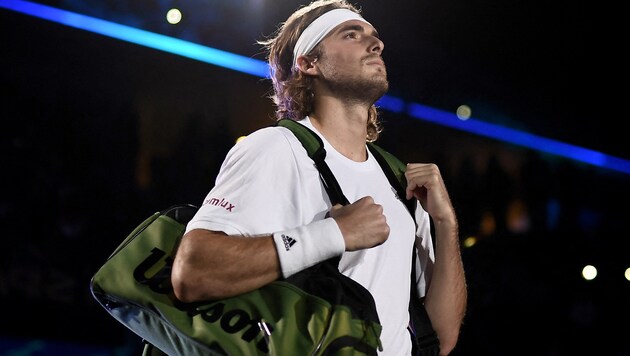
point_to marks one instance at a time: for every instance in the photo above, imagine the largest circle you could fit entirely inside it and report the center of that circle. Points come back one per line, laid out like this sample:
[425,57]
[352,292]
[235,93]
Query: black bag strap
[315,149]
[353,291]
[424,338]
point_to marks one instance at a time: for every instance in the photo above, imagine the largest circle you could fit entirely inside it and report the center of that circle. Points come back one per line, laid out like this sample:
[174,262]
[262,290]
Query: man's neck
[344,126]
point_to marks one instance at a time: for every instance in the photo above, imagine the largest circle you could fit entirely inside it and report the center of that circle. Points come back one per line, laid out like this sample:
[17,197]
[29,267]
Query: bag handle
[424,337]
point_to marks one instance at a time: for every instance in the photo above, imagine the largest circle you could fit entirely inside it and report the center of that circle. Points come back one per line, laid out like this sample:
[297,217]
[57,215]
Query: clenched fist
[362,223]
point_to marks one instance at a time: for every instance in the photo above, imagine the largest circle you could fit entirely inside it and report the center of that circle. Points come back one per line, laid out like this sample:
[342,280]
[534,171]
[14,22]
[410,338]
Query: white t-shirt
[267,184]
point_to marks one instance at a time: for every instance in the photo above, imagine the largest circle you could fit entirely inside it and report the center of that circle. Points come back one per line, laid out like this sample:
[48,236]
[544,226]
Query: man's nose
[377,45]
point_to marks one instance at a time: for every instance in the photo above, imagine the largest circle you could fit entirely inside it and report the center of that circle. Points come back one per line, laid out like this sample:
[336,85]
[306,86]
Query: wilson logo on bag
[231,321]
[296,317]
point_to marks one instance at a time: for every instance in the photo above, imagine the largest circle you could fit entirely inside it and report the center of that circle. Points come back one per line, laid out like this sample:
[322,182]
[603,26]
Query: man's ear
[307,65]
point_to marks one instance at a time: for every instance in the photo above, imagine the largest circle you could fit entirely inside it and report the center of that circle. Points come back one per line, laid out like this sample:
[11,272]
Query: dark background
[97,134]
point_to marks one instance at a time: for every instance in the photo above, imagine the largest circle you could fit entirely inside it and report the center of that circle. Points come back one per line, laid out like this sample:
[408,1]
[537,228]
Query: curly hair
[293,91]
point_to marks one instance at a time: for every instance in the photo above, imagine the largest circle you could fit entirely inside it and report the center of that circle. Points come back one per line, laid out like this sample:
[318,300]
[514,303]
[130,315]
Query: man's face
[350,62]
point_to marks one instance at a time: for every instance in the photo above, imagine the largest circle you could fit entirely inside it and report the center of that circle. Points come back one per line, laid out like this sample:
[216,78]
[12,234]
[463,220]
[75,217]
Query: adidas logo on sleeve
[288,241]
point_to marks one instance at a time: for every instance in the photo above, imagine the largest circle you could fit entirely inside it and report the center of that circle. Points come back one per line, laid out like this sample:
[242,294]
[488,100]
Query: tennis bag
[330,315]
[318,311]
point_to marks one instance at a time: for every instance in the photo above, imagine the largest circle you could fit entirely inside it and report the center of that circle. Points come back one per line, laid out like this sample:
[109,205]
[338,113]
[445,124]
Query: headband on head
[320,27]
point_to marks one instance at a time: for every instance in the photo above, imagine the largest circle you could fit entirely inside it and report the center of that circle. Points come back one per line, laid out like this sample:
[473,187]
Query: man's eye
[351,35]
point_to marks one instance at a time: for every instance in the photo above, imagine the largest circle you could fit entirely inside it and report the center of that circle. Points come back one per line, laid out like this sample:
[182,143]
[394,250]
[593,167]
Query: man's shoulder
[272,137]
[269,134]
[274,141]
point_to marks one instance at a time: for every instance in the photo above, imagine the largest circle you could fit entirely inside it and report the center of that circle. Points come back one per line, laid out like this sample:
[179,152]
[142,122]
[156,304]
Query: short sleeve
[255,188]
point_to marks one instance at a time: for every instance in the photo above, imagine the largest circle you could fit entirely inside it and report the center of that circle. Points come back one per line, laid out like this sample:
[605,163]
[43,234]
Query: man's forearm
[446,297]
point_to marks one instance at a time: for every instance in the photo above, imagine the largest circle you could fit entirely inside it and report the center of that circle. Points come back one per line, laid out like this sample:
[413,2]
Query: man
[328,73]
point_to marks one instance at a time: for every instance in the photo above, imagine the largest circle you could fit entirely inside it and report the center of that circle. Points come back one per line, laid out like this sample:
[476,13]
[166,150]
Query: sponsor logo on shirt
[220,202]
[288,241]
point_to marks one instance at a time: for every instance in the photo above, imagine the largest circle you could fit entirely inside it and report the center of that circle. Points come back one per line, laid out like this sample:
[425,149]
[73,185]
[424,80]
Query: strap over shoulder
[394,170]
[314,146]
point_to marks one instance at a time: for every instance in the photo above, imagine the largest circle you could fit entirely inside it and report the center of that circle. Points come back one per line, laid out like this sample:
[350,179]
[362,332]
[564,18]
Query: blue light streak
[391,103]
[260,69]
[517,137]
[141,37]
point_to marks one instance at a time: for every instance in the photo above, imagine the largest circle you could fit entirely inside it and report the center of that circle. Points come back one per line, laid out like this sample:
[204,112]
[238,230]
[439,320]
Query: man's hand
[362,223]
[425,183]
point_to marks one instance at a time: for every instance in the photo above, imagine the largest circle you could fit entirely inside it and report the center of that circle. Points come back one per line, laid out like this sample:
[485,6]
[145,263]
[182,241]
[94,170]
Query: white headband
[319,28]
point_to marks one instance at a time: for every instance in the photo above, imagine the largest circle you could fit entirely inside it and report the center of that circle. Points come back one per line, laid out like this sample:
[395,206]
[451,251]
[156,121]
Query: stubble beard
[358,88]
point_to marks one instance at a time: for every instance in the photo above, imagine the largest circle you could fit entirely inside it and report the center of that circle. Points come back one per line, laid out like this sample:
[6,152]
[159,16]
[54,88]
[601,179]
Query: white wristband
[305,246]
